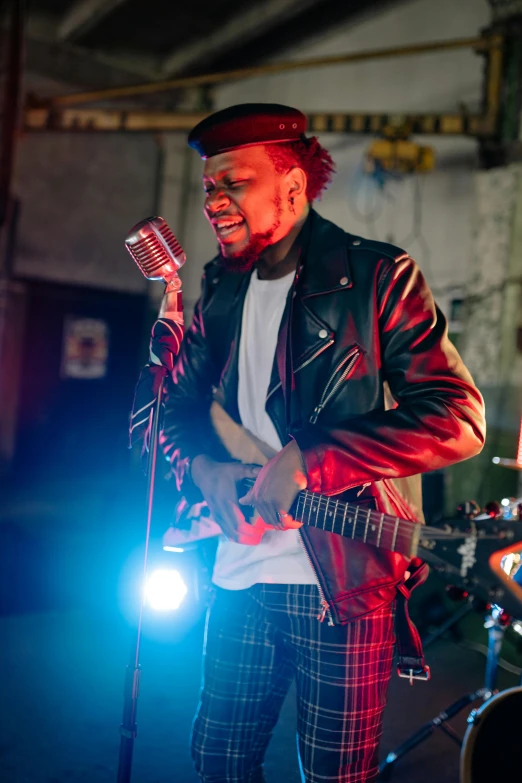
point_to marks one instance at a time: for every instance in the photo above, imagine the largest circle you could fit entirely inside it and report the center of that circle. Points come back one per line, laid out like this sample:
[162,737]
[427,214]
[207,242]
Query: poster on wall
[85,348]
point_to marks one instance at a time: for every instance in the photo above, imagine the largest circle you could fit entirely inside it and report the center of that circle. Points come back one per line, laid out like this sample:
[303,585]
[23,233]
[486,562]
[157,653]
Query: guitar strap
[411,657]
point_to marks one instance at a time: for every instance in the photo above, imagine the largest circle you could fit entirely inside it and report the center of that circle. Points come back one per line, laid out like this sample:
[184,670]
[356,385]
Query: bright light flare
[165,590]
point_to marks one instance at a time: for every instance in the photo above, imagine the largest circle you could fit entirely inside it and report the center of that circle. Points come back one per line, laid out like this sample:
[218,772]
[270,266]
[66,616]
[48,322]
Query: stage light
[165,590]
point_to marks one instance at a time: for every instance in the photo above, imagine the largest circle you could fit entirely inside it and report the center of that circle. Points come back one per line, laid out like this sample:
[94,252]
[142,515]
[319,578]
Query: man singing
[303,333]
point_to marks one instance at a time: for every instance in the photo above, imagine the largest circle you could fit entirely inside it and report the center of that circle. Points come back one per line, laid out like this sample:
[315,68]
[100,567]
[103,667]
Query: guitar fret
[366,525]
[317,509]
[335,513]
[344,518]
[395,534]
[309,497]
[326,512]
[355,521]
[380,530]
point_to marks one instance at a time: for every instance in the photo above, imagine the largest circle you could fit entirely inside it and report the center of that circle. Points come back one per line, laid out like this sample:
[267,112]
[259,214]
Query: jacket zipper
[324,608]
[328,392]
[304,364]
[351,359]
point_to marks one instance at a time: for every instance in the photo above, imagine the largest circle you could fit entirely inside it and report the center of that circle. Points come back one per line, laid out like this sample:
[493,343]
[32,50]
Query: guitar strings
[386,522]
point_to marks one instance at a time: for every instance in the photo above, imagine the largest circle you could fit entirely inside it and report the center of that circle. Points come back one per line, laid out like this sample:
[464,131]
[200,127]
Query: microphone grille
[154,248]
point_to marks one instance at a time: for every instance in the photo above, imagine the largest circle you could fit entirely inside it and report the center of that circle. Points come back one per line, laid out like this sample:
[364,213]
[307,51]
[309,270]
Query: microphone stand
[159,256]
[128,728]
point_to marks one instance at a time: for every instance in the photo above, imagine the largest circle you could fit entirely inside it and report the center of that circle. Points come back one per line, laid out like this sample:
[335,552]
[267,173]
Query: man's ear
[296,182]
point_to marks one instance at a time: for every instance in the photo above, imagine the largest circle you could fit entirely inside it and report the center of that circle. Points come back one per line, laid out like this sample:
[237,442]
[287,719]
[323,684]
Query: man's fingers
[246,500]
[279,520]
[292,524]
[248,471]
[234,520]
[221,515]
[285,521]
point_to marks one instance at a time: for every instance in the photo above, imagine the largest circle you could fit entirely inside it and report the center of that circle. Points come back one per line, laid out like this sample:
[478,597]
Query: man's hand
[277,486]
[217,482]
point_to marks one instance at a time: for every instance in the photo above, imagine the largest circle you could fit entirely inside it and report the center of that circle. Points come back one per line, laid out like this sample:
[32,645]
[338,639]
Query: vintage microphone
[159,256]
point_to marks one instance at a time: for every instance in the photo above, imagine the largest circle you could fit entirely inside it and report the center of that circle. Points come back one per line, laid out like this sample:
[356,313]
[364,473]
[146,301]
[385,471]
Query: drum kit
[491,749]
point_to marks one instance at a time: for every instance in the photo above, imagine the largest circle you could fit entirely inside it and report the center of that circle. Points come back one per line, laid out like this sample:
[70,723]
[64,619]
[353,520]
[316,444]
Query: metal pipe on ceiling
[479,44]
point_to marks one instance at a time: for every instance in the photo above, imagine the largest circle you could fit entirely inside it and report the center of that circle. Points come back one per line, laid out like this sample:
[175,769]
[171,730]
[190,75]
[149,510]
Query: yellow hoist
[397,154]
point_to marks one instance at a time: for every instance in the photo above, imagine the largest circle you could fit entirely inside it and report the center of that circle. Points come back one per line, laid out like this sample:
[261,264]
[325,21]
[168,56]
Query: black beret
[245,125]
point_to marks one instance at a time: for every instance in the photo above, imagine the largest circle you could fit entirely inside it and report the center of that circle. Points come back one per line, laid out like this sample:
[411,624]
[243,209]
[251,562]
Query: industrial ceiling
[96,44]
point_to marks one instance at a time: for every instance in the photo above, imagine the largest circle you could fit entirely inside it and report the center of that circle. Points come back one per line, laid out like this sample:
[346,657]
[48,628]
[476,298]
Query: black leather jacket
[359,316]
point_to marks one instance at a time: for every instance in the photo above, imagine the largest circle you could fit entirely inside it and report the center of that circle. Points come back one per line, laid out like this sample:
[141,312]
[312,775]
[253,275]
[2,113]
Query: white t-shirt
[280,557]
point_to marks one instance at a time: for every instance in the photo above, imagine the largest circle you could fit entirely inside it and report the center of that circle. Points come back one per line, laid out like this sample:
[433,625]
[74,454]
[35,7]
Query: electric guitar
[483,556]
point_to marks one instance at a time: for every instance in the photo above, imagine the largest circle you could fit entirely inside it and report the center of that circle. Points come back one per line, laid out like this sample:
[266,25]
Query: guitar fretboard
[356,522]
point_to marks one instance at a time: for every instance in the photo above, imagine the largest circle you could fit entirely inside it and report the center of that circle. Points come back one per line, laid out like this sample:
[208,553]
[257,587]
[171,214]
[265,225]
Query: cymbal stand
[496,624]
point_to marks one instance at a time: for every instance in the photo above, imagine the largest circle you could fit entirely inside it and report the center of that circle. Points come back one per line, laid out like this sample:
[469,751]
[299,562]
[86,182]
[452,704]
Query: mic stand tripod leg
[387,766]
[128,728]
[495,635]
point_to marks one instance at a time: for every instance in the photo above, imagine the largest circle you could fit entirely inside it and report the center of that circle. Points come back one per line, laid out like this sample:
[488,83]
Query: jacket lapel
[233,289]
[324,270]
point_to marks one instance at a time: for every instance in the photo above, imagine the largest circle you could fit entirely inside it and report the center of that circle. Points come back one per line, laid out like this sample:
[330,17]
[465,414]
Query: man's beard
[245,260]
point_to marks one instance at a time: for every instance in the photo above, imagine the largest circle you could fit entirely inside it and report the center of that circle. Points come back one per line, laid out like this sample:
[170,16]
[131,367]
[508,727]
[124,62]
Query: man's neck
[281,258]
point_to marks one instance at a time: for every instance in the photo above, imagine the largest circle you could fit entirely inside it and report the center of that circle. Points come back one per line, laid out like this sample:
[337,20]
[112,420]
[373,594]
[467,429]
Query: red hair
[309,155]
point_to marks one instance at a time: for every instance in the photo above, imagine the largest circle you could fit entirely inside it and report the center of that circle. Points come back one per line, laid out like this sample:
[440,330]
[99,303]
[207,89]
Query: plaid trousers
[259,639]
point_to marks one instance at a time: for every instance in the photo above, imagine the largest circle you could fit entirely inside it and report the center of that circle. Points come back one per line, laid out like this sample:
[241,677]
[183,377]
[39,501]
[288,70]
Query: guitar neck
[356,522]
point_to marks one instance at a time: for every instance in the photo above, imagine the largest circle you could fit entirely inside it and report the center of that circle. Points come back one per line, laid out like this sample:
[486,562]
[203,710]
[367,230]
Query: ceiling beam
[82,16]
[92,120]
[485,44]
[244,26]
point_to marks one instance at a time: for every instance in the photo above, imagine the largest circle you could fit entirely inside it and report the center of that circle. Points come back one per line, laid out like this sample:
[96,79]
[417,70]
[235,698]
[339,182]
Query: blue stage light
[165,590]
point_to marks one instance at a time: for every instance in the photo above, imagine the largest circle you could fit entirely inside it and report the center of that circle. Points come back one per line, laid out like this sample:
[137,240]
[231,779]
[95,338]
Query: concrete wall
[80,195]
[430,215]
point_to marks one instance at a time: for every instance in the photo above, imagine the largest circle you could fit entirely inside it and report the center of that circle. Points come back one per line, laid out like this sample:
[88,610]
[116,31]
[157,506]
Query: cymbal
[504,462]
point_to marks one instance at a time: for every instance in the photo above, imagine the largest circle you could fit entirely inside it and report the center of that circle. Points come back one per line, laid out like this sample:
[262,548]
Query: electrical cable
[416,235]
[369,217]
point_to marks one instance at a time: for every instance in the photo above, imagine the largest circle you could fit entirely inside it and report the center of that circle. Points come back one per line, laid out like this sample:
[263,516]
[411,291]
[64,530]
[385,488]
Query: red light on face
[519,451]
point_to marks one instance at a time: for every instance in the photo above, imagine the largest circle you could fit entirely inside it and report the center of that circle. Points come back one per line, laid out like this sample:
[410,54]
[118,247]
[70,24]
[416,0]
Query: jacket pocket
[345,367]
